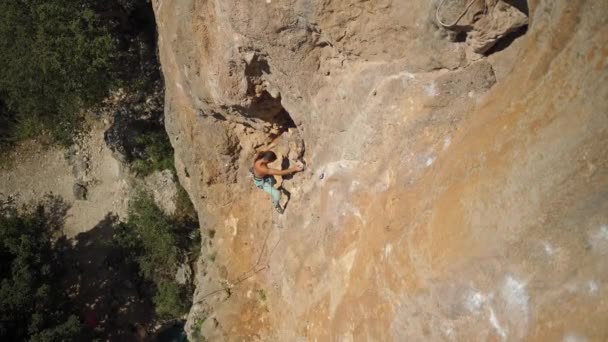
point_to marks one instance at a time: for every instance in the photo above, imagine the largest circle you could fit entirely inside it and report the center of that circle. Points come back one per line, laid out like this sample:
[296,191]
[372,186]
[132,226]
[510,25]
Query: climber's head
[268,156]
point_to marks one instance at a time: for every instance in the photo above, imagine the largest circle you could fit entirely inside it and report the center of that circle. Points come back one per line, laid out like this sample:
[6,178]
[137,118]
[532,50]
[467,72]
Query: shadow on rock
[104,288]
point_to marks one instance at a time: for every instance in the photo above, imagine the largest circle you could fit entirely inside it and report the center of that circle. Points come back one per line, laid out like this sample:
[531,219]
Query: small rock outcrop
[481,23]
[133,115]
[163,186]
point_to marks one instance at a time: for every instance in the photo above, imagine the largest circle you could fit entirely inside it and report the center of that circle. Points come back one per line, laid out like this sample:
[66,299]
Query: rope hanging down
[466,9]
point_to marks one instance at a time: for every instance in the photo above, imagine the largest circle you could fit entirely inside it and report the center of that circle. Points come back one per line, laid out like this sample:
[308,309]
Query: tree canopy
[58,57]
[32,303]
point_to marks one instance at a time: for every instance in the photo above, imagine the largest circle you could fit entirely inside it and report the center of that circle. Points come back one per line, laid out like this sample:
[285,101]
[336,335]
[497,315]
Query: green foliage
[27,127]
[153,240]
[262,295]
[63,332]
[159,152]
[197,328]
[56,57]
[60,57]
[155,232]
[31,300]
[169,300]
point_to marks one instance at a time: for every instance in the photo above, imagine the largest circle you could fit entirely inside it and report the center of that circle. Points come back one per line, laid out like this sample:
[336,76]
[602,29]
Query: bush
[59,57]
[63,332]
[158,152]
[56,58]
[153,240]
[170,300]
[155,232]
[31,300]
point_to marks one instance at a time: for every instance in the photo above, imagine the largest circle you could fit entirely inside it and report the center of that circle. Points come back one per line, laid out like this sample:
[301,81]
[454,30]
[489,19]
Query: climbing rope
[255,269]
[437,16]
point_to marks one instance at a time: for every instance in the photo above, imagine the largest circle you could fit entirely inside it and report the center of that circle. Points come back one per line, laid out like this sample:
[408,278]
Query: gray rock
[163,186]
[184,274]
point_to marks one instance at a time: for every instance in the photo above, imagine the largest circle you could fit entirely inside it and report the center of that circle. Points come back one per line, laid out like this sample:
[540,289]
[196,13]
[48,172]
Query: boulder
[183,275]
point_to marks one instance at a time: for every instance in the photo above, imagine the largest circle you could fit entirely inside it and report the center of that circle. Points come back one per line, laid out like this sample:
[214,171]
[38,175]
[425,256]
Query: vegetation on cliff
[158,244]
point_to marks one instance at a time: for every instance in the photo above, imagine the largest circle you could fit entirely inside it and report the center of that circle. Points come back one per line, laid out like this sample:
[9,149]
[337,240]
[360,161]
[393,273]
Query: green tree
[32,304]
[56,57]
[152,239]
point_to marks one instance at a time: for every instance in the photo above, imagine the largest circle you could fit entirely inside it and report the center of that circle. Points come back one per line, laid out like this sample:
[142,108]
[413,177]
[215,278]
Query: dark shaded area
[81,289]
[137,135]
[91,287]
[172,333]
[219,116]
[133,24]
[460,37]
[263,105]
[256,68]
[284,120]
[521,5]
[105,289]
[287,195]
[32,303]
[140,140]
[6,122]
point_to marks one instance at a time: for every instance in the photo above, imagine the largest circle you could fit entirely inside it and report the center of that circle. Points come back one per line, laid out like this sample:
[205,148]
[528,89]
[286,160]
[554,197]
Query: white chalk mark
[574,337]
[499,329]
[475,301]
[232,223]
[599,239]
[446,143]
[431,89]
[388,249]
[516,297]
[592,286]
[448,330]
[549,250]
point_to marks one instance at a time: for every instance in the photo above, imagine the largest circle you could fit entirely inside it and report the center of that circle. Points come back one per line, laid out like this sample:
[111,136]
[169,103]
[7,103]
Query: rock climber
[263,176]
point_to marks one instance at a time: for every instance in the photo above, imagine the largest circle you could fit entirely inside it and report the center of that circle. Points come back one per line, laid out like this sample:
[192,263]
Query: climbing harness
[437,16]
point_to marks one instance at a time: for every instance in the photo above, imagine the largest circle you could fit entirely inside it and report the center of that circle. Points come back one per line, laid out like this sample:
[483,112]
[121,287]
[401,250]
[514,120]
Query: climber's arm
[268,171]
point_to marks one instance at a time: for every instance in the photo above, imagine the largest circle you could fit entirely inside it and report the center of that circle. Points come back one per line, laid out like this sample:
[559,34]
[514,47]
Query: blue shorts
[267,184]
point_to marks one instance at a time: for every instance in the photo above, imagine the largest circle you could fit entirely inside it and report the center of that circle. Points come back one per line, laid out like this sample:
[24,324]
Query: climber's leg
[274,193]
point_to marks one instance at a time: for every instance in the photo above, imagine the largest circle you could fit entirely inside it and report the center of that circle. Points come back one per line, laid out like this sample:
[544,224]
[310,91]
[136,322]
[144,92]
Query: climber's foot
[279,209]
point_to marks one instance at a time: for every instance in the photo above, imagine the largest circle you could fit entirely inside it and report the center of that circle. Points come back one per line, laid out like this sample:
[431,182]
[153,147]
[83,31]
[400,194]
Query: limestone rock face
[448,195]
